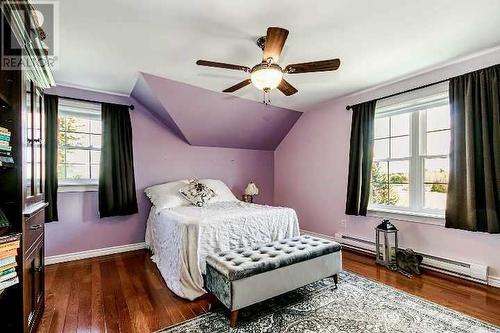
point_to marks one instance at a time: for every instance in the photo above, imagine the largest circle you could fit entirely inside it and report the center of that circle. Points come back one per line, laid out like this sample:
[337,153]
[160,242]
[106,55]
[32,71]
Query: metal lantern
[386,242]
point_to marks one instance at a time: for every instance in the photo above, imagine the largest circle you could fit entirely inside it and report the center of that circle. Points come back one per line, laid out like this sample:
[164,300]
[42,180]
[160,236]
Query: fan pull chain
[267,97]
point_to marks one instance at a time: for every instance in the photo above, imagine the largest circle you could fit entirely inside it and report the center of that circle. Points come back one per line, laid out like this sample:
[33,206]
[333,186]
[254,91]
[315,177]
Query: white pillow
[167,195]
[223,192]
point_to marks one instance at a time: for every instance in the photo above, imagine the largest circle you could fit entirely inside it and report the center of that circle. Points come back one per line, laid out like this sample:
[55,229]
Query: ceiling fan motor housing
[261,42]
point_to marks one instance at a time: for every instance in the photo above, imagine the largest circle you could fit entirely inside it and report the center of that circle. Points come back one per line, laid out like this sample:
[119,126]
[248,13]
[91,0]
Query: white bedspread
[182,237]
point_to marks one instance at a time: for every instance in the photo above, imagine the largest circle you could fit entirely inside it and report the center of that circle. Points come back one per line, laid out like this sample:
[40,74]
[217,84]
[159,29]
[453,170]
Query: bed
[182,236]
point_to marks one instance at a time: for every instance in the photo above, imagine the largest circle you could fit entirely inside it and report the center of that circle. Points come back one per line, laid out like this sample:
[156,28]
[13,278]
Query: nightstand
[247,198]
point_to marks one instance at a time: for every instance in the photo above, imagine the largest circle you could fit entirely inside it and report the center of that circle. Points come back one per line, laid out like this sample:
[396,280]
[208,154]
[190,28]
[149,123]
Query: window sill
[78,188]
[405,216]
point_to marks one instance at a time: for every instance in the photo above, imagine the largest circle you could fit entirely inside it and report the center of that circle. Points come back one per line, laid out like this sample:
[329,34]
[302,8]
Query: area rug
[357,305]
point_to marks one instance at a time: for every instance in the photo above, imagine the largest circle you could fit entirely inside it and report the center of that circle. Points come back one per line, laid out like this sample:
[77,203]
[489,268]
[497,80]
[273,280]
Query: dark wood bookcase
[22,187]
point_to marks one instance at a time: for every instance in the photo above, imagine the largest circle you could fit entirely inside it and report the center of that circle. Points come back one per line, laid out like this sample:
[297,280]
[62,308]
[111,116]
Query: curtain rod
[349,107]
[131,106]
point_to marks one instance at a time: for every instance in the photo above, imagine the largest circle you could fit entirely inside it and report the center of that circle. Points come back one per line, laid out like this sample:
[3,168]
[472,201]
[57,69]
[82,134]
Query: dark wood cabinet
[33,286]
[22,189]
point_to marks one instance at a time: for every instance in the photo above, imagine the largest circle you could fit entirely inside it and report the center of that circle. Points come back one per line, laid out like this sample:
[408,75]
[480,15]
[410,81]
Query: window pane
[399,195]
[400,147]
[77,124]
[378,195]
[438,118]
[77,140]
[94,170]
[95,141]
[381,149]
[61,155]
[95,126]
[62,125]
[77,171]
[399,172]
[436,170]
[399,178]
[77,156]
[400,124]
[95,157]
[435,196]
[381,127]
[438,143]
[379,187]
[61,168]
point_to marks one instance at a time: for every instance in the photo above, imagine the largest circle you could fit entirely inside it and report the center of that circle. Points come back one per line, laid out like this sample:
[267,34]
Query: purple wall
[159,156]
[311,167]
[207,118]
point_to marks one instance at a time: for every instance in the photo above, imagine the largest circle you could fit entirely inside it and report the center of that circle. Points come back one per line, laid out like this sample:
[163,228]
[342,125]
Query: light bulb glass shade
[251,189]
[266,76]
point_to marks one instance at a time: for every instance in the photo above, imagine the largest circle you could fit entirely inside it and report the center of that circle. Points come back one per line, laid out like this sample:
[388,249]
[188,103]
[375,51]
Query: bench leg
[233,318]
[336,279]
[213,302]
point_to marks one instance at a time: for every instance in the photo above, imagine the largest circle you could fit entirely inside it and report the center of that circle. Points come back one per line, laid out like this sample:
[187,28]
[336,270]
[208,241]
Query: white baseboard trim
[93,253]
[493,281]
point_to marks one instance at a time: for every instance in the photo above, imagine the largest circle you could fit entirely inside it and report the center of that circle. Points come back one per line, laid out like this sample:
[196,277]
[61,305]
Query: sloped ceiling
[206,118]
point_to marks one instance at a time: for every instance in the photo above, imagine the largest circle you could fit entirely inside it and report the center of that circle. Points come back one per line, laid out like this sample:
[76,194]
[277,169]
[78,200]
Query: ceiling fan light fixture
[266,77]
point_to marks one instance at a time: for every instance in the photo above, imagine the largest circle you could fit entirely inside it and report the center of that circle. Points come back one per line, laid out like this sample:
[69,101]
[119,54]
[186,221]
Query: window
[411,153]
[79,143]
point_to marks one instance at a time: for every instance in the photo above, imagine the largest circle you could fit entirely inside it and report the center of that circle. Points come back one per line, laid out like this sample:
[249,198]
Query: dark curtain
[360,158]
[116,177]
[51,184]
[474,185]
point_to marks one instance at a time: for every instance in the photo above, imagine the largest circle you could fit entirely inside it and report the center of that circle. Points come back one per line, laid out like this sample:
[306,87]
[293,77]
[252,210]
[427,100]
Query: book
[3,142]
[8,276]
[8,253]
[9,246]
[5,148]
[6,159]
[10,238]
[4,130]
[9,266]
[7,271]
[8,283]
[4,136]
[7,261]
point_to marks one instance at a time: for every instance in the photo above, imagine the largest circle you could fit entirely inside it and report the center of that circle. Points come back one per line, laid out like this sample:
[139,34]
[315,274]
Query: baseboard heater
[470,271]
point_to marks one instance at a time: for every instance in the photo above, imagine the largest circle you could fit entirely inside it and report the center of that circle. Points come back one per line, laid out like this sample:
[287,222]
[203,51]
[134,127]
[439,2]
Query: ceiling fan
[268,75]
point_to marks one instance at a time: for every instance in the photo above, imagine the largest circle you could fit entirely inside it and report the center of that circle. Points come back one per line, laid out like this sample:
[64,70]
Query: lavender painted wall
[208,118]
[311,167]
[159,156]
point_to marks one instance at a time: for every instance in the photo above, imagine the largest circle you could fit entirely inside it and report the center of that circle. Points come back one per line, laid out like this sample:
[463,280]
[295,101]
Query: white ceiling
[104,44]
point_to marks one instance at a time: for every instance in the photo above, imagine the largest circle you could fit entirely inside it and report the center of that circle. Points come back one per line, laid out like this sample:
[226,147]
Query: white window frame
[417,103]
[94,111]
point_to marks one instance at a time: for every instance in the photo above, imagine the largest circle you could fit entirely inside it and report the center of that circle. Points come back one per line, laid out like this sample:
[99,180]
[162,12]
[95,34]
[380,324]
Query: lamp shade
[251,189]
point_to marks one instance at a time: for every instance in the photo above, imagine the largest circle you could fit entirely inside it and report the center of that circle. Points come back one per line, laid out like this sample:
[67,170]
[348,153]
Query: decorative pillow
[197,193]
[167,195]
[223,192]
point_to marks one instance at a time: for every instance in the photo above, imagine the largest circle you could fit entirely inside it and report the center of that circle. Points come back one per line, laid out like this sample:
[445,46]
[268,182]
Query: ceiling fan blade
[313,66]
[237,86]
[275,40]
[286,88]
[222,65]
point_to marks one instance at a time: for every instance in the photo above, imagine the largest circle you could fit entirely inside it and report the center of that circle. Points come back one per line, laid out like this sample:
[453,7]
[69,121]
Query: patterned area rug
[357,305]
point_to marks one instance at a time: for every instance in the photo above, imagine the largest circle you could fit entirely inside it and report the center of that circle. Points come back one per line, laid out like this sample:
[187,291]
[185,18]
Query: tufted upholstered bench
[245,276]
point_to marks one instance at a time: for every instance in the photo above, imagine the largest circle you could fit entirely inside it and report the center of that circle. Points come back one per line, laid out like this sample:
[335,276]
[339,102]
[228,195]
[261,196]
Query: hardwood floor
[126,293]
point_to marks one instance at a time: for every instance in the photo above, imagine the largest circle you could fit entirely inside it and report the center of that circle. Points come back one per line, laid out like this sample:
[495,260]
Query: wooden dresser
[22,185]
